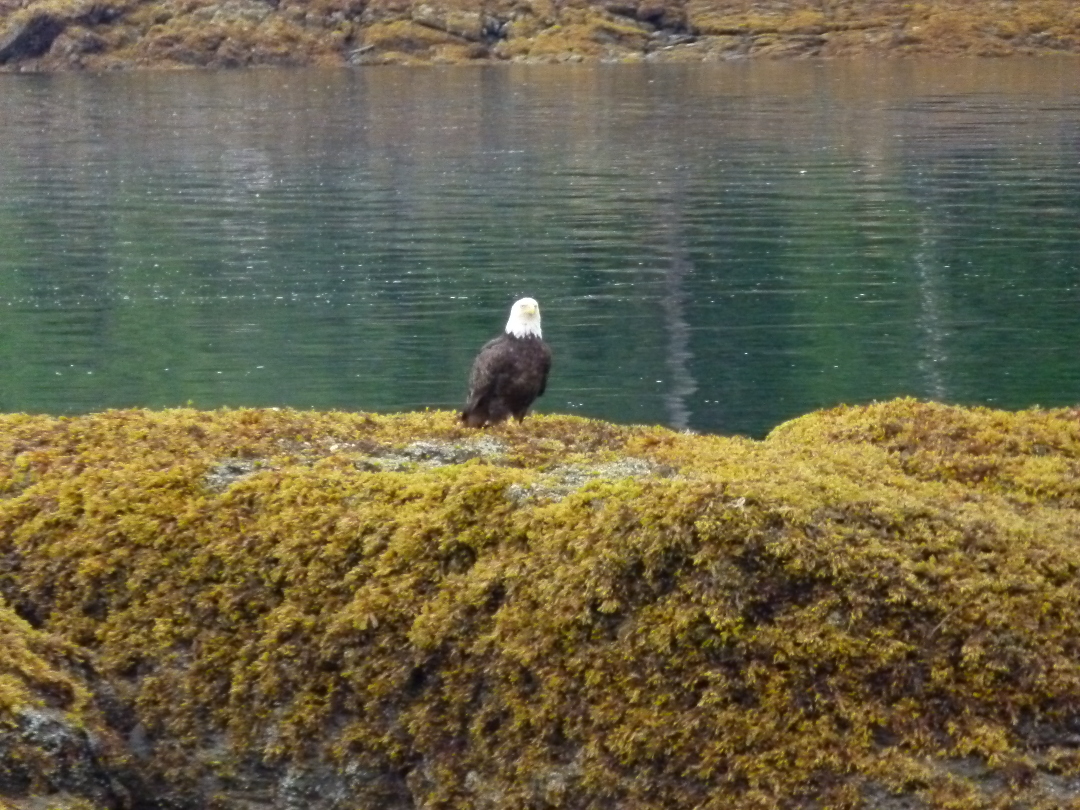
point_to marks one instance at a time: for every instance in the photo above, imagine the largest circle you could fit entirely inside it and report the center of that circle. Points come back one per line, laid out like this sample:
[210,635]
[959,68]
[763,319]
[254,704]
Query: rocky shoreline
[873,607]
[55,35]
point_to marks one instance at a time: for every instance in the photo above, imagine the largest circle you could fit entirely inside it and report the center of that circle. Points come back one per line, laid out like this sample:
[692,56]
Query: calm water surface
[713,247]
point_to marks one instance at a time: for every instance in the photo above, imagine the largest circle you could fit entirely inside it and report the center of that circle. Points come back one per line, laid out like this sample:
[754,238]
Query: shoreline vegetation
[874,606]
[57,35]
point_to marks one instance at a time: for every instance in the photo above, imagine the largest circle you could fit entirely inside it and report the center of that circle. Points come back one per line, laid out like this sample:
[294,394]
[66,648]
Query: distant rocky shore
[53,35]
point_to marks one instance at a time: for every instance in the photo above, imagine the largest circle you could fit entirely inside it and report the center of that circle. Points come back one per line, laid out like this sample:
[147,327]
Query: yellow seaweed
[873,599]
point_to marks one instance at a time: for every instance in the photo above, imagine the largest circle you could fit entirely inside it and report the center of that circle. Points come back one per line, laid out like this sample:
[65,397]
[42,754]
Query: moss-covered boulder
[874,606]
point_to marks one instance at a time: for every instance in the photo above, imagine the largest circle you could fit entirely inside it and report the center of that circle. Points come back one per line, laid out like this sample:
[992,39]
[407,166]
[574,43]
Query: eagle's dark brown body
[508,374]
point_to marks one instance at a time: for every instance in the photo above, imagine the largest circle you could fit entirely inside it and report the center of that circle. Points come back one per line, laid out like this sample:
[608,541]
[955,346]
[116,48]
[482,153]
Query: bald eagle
[510,371]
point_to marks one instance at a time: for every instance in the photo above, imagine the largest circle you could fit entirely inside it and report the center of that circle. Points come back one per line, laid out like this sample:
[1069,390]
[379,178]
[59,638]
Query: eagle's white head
[524,319]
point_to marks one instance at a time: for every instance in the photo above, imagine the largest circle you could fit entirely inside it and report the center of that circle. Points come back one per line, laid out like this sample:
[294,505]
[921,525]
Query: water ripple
[714,247]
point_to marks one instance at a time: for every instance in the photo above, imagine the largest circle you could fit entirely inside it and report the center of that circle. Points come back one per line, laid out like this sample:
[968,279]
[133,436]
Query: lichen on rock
[874,606]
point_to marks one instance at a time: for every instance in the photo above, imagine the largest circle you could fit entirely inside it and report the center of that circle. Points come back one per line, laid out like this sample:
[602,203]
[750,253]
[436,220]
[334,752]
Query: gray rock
[229,471]
[77,41]
[432,454]
[30,37]
[75,763]
[565,479]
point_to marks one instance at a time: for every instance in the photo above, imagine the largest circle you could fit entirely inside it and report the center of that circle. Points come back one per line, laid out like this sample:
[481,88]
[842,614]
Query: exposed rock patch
[70,760]
[226,473]
[436,453]
[560,481]
[30,37]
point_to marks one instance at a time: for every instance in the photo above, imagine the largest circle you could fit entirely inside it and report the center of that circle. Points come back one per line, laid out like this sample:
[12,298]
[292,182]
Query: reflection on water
[674,300]
[714,247]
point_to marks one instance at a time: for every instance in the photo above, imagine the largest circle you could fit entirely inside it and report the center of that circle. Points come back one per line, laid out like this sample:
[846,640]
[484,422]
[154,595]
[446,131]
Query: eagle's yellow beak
[529,309]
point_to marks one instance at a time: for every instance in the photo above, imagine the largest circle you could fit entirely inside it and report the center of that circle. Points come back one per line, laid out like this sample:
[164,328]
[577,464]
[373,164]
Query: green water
[714,247]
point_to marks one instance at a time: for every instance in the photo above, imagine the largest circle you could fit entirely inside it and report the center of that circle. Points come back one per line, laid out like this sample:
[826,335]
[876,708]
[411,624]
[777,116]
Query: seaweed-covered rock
[873,607]
[100,34]
[48,727]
